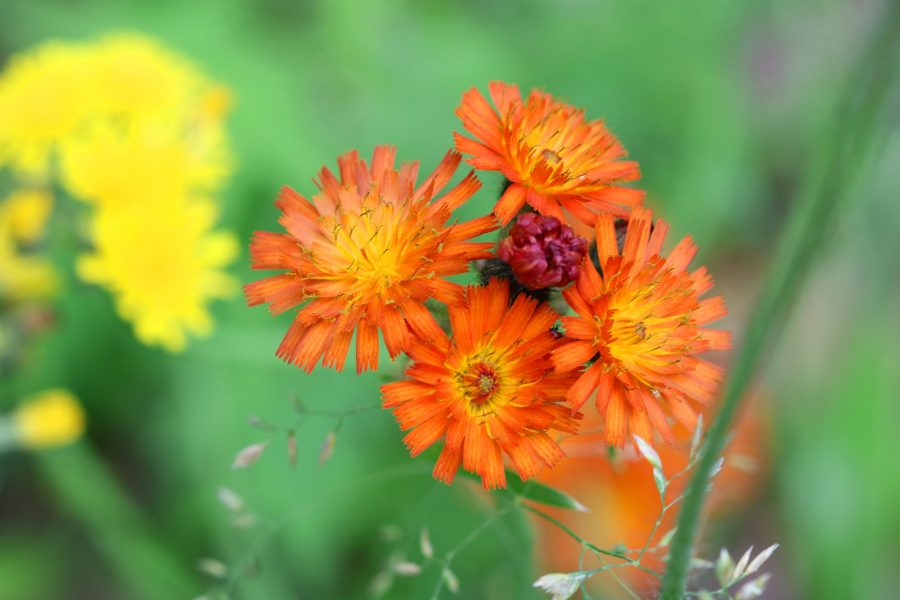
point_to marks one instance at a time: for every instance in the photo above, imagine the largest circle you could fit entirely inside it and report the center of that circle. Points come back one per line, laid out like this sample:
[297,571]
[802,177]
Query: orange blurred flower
[642,320]
[489,391]
[555,160]
[623,500]
[365,255]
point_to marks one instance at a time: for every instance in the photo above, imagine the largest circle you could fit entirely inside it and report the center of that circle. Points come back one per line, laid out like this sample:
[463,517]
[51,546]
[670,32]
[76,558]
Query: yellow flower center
[637,333]
[643,331]
[378,248]
[555,154]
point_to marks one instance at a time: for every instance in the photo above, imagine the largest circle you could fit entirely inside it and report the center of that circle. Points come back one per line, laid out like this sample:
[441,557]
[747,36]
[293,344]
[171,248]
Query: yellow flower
[43,98]
[214,104]
[51,92]
[136,131]
[143,162]
[50,418]
[162,262]
[23,276]
[137,78]
[24,214]
[155,250]
[162,130]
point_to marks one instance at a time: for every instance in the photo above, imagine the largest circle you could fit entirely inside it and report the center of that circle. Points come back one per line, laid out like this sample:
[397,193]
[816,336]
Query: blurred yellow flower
[44,96]
[24,214]
[137,78]
[24,276]
[214,104]
[142,163]
[50,92]
[136,131]
[50,418]
[162,262]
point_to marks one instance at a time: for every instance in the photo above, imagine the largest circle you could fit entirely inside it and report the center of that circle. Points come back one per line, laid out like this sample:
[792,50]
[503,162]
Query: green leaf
[661,483]
[648,452]
[697,437]
[724,567]
[536,492]
[542,494]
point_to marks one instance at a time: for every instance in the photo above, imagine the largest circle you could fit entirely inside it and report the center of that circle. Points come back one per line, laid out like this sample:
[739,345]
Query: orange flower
[489,391]
[365,255]
[642,320]
[553,158]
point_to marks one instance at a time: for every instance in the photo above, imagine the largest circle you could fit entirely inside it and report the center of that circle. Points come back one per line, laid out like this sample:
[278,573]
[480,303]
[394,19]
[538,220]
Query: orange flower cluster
[372,251]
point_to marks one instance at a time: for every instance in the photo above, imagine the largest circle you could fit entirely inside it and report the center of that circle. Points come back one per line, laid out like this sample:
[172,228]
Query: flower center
[486,383]
[367,245]
[640,329]
[378,249]
[479,383]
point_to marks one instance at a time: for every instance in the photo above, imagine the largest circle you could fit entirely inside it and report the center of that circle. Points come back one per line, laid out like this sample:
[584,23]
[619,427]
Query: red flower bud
[543,252]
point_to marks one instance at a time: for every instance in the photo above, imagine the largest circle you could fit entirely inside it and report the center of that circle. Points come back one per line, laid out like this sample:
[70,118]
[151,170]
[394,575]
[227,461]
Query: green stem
[840,163]
[599,552]
[471,537]
[631,593]
[86,489]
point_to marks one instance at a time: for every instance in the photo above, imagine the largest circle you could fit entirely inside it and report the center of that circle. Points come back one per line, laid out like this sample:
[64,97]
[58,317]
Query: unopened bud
[543,252]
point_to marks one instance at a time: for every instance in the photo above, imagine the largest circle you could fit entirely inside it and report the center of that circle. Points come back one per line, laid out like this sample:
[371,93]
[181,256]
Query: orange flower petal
[616,420]
[366,347]
[510,203]
[310,349]
[421,321]
[447,465]
[709,310]
[583,386]
[572,355]
[396,334]
[336,352]
[283,292]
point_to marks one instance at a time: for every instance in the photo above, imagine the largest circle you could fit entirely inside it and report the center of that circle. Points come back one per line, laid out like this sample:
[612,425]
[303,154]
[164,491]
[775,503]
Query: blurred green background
[723,104]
